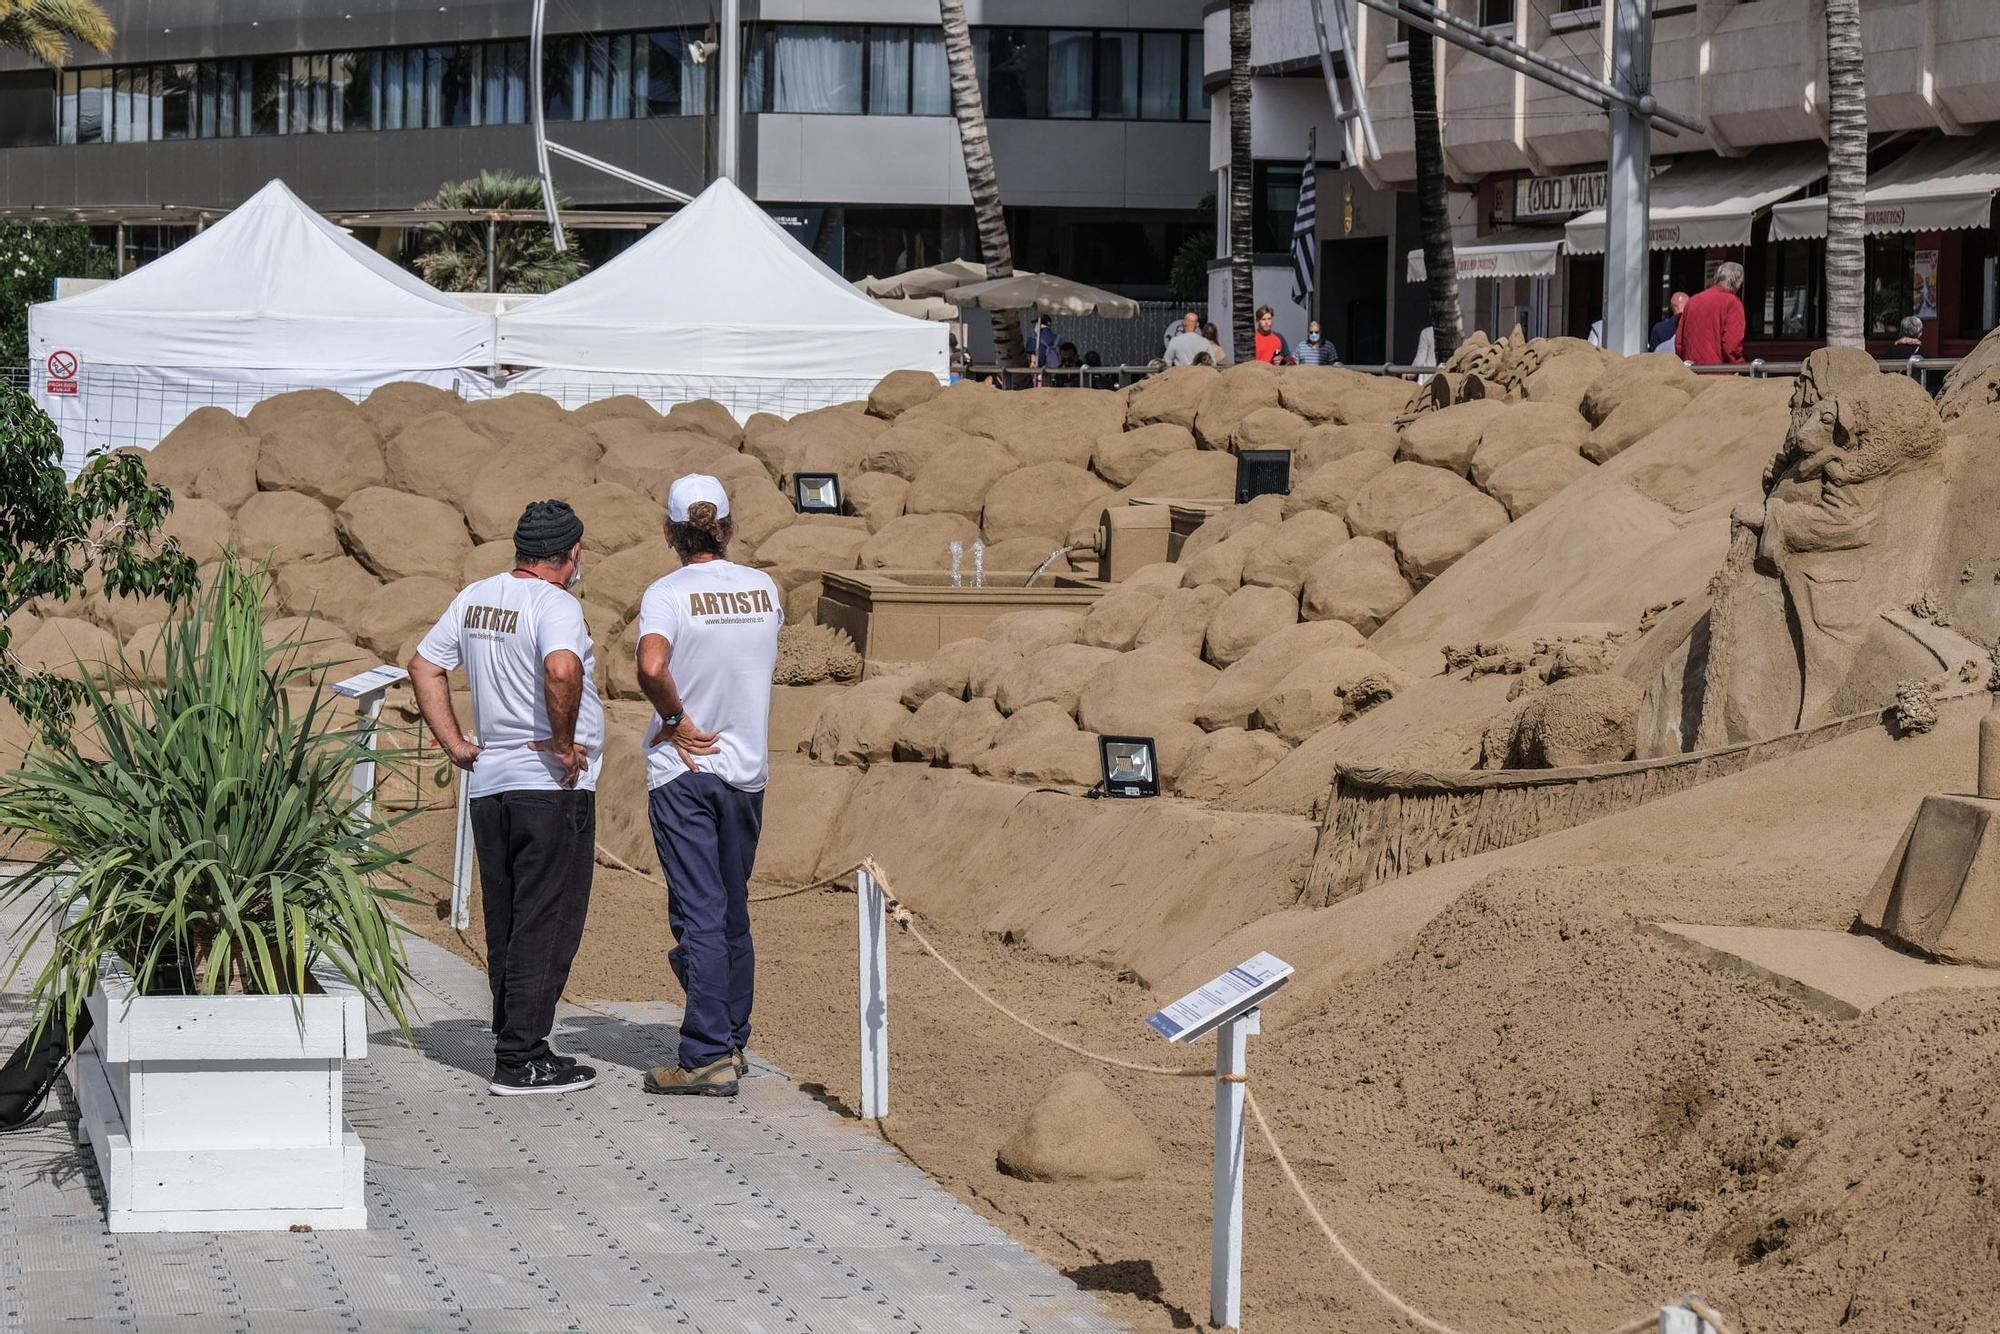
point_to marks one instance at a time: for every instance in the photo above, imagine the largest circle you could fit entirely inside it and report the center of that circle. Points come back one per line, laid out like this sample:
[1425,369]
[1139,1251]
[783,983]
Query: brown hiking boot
[742,1060]
[715,1080]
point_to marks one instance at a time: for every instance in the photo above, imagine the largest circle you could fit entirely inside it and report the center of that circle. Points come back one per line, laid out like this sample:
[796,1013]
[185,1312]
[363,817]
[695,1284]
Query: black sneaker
[544,1076]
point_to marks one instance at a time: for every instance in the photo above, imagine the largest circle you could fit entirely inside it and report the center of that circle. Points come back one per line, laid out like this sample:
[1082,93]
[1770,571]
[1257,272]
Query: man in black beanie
[521,638]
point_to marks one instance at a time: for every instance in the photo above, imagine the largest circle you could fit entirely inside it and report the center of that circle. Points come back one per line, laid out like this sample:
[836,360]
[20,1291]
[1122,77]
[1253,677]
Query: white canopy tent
[269,299]
[719,302]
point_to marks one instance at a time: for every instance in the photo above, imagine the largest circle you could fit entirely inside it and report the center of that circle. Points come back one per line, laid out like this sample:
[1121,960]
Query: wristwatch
[669,721]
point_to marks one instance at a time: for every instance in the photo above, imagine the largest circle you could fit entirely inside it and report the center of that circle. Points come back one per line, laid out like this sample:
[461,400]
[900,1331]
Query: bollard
[1225,1243]
[462,854]
[1682,1320]
[872,977]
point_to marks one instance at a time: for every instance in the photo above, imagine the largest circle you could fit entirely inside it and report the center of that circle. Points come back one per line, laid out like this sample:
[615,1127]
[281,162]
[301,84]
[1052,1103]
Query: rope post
[1681,1319]
[368,708]
[462,854]
[1225,1251]
[873,994]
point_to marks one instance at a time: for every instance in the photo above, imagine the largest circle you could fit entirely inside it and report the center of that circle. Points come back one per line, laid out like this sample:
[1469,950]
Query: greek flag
[1305,234]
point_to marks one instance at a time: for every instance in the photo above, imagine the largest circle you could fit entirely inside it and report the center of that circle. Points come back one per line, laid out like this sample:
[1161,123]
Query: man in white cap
[708,640]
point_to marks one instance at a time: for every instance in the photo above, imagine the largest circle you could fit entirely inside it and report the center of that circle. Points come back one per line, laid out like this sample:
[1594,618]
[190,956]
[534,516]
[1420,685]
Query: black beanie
[547,528]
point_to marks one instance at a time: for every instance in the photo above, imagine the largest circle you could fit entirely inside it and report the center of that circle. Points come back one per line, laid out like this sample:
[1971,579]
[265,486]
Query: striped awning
[1529,252]
[1711,201]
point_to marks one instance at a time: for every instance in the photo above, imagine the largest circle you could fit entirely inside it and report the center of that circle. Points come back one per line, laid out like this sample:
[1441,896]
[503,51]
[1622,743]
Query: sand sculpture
[1810,614]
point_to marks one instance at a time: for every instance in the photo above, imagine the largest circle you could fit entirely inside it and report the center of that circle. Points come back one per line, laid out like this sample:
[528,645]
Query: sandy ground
[1522,1109]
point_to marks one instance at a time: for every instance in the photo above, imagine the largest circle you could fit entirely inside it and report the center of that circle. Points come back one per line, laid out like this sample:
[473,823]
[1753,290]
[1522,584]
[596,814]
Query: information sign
[1242,988]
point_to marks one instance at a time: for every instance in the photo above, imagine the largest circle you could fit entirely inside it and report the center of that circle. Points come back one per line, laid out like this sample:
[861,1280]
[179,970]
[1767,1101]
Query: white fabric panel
[718,293]
[138,405]
[1711,201]
[274,285]
[1943,184]
[1519,255]
[741,394]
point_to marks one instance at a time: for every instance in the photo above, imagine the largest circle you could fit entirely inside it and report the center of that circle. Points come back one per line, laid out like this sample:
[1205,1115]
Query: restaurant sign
[1558,196]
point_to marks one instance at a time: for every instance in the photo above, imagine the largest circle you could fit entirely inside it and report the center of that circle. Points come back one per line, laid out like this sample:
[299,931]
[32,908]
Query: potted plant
[215,898]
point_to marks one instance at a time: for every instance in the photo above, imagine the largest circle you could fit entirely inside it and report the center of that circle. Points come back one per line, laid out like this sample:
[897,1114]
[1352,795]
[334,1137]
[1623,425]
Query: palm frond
[44,29]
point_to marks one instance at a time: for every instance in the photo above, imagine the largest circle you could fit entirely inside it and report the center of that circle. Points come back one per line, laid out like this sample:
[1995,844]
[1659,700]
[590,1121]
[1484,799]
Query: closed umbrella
[1045,294]
[931,308]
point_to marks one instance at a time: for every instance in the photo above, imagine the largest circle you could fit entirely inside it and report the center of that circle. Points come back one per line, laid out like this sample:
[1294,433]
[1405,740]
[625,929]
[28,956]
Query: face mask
[575,578]
[1312,338]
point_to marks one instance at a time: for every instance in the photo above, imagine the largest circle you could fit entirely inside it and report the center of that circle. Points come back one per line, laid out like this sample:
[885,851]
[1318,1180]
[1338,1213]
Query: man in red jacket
[1711,332]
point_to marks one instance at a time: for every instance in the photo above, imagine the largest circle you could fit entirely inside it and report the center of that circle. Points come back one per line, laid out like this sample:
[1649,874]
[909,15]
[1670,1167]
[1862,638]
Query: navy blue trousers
[706,834]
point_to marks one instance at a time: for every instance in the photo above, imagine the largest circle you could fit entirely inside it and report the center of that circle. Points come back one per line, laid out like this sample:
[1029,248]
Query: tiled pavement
[604,1211]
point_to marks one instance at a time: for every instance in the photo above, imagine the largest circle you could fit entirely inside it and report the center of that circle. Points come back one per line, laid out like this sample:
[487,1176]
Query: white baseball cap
[692,490]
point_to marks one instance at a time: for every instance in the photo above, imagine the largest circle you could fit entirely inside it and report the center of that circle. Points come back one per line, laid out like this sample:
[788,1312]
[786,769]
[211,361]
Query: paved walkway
[606,1211]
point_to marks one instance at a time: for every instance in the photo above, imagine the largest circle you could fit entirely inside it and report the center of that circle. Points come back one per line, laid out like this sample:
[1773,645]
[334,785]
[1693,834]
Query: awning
[1941,185]
[1711,201]
[1528,252]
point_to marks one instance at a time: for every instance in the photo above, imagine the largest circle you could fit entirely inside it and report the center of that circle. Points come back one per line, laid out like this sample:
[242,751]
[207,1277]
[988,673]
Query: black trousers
[534,868]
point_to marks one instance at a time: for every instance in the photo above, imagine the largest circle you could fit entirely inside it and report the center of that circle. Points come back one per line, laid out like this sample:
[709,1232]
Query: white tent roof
[271,285]
[719,290]
[1941,185]
[1708,201]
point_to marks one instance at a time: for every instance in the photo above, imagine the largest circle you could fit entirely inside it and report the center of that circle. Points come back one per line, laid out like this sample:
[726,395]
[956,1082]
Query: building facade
[1526,163]
[1097,116]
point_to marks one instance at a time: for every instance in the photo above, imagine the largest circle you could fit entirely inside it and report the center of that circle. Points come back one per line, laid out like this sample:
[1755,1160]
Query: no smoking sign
[62,372]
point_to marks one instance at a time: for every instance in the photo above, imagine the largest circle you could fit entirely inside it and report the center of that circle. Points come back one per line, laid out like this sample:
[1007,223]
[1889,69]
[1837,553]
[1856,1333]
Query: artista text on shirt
[498,620]
[731,603]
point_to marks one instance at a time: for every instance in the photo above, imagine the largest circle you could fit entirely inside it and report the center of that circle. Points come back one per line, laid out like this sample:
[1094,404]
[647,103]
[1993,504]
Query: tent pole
[492,262]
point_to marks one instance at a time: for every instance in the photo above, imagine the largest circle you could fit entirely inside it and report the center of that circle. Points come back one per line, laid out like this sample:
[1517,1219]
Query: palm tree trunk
[1846,175]
[1433,206]
[969,107]
[1242,189]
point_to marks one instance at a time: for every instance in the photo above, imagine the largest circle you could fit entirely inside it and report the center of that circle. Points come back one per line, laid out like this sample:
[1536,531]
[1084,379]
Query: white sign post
[873,995]
[366,690]
[462,853]
[1228,1005]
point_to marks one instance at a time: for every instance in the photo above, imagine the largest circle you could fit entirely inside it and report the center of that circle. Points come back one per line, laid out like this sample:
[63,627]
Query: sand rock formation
[1578,720]
[1078,1131]
[1358,582]
[808,654]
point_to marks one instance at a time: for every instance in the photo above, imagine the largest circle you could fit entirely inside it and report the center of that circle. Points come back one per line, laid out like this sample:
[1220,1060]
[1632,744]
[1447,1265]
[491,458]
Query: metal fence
[1132,342]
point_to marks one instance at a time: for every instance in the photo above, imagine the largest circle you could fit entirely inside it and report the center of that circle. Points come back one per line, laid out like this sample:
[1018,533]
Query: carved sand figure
[1845,533]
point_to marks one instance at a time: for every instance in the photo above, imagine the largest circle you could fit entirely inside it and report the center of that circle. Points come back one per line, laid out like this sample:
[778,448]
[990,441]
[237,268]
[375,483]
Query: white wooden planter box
[222,1113]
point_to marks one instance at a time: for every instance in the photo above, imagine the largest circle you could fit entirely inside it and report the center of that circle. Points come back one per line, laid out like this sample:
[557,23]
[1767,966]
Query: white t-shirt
[1183,348]
[720,621]
[501,629]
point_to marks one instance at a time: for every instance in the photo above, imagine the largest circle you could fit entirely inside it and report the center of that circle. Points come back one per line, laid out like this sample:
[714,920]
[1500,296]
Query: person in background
[708,640]
[1711,328]
[1187,344]
[1217,354]
[1091,363]
[521,638]
[1316,351]
[1662,337]
[1047,348]
[952,358]
[1271,345]
[1068,360]
[1910,337]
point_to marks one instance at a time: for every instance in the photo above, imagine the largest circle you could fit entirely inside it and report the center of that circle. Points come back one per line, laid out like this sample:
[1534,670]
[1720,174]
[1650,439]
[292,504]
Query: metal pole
[535,94]
[1225,1243]
[462,857]
[492,260]
[1629,28]
[729,93]
[873,995]
[368,708]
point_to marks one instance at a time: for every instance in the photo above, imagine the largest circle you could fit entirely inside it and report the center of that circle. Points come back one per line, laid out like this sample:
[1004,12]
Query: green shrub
[210,840]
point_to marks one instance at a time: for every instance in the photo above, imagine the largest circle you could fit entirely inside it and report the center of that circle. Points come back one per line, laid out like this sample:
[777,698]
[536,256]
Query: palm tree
[1242,188]
[1846,175]
[1433,206]
[968,106]
[452,256]
[44,29]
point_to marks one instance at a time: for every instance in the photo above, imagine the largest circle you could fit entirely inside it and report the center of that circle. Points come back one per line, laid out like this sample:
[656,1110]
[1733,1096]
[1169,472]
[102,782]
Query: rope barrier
[617,863]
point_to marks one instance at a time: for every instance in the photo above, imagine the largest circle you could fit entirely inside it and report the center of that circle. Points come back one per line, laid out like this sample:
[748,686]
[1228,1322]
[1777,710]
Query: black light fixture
[1263,472]
[816,492]
[1131,766]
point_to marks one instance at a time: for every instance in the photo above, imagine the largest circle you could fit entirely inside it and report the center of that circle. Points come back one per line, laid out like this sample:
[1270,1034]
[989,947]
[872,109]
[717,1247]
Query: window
[930,76]
[1197,96]
[1496,13]
[1070,75]
[1118,75]
[674,84]
[460,76]
[1013,71]
[177,91]
[816,70]
[1792,291]
[1273,205]
[1160,81]
[888,71]
[1891,262]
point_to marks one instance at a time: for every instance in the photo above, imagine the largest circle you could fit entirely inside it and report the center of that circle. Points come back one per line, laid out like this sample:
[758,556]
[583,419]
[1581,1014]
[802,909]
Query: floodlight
[700,52]
[816,493]
[1263,472]
[1131,768]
